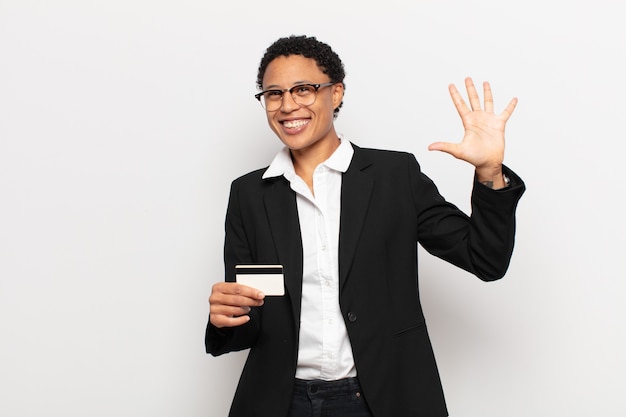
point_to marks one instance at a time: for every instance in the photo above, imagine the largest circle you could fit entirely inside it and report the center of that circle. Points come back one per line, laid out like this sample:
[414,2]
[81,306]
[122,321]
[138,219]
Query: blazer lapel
[282,213]
[356,190]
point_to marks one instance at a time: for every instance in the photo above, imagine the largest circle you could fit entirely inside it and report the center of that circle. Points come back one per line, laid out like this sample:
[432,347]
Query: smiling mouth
[294,124]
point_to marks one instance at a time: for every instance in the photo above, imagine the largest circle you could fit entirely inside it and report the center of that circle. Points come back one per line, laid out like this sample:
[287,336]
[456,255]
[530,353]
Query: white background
[122,124]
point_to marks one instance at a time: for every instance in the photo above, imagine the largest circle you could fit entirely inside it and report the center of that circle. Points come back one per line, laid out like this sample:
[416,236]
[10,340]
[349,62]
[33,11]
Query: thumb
[446,147]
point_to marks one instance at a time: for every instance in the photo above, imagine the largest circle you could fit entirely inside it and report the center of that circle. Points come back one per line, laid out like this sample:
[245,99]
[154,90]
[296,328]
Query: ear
[337,94]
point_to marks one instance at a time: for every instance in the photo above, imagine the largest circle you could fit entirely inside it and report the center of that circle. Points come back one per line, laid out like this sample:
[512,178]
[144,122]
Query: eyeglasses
[302,94]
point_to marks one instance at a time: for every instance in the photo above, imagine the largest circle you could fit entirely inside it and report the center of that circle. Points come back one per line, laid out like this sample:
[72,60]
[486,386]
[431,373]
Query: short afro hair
[309,47]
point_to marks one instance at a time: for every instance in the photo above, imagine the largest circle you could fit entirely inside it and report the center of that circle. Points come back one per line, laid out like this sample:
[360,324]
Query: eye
[273,95]
[303,90]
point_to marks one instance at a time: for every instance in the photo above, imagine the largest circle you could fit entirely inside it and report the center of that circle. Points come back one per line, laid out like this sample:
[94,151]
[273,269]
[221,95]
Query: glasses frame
[291,90]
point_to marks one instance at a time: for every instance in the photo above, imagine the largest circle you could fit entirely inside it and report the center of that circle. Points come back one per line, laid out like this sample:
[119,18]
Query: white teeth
[292,124]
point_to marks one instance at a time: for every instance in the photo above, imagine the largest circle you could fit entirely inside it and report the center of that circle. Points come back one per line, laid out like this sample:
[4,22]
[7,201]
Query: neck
[305,161]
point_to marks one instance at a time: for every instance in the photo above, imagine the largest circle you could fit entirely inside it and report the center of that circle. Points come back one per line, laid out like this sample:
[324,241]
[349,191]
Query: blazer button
[351,317]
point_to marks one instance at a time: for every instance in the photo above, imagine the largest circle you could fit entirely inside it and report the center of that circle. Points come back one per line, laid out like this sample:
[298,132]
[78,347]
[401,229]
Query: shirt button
[352,317]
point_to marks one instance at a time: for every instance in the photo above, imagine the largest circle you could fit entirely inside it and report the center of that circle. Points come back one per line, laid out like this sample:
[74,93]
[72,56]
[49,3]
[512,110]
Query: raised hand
[483,141]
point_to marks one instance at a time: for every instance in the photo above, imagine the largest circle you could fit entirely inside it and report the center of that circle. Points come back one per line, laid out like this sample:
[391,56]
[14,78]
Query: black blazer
[387,207]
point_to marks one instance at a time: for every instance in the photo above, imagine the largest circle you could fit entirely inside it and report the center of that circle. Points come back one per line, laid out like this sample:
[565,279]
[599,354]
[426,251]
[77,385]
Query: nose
[288,104]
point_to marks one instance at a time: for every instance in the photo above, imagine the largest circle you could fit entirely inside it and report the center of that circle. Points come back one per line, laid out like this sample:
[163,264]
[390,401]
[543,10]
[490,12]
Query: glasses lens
[271,99]
[304,95]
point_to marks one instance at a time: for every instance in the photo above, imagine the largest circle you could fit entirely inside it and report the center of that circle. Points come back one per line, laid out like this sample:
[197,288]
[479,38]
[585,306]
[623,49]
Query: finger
[225,321]
[447,147]
[230,311]
[218,298]
[458,101]
[506,113]
[488,97]
[472,94]
[238,289]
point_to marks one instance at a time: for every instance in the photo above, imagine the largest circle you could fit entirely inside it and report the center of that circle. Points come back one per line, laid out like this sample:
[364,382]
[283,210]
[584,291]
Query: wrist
[494,178]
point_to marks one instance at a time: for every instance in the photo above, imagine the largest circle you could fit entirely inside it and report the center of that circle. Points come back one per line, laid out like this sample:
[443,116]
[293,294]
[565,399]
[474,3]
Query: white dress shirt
[324,350]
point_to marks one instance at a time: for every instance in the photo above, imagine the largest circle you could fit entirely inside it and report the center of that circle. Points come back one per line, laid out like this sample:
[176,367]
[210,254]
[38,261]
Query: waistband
[322,388]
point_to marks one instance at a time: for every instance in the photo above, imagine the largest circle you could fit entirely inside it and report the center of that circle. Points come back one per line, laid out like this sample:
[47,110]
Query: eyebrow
[277,87]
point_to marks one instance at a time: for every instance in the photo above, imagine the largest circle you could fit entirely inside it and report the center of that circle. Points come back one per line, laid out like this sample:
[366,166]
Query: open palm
[483,141]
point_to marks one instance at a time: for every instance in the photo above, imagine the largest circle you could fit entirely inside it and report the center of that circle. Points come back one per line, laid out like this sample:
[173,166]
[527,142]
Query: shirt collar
[283,165]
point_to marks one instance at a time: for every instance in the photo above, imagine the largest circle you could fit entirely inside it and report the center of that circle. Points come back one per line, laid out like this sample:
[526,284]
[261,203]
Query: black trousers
[342,398]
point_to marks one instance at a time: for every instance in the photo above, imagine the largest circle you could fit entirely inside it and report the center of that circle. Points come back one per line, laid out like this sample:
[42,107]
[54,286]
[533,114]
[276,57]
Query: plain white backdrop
[122,124]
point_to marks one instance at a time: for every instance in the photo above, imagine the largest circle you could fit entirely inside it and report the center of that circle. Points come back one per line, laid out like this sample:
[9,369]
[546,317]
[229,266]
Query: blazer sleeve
[481,243]
[236,250]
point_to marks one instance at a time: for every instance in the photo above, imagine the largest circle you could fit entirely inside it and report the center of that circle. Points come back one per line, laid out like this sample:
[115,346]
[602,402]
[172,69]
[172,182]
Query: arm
[233,322]
[481,243]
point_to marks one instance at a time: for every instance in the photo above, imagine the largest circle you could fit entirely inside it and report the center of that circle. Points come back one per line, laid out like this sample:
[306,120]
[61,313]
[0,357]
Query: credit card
[266,278]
